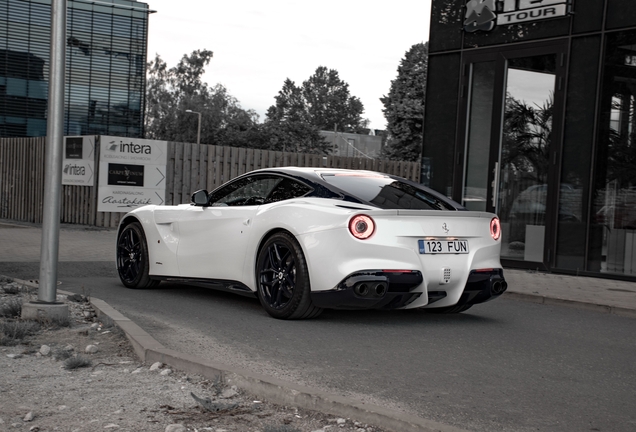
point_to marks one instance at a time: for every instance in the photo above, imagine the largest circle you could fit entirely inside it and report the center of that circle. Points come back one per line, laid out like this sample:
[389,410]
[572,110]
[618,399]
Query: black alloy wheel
[132,257]
[283,279]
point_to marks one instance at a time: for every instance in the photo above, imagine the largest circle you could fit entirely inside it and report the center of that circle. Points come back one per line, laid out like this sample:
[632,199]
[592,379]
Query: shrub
[62,354]
[11,288]
[55,323]
[77,362]
[11,309]
[12,332]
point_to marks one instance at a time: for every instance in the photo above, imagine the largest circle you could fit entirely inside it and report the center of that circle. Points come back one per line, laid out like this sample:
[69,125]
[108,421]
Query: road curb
[535,298]
[272,389]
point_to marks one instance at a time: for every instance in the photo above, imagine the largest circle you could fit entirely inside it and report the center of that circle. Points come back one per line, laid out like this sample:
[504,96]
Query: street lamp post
[47,305]
[199,126]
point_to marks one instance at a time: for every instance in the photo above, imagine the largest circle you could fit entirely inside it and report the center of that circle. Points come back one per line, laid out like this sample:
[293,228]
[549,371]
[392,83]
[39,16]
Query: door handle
[495,186]
[246,222]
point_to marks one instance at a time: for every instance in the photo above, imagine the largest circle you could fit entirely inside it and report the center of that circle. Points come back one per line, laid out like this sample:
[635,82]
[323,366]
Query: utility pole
[46,304]
[335,139]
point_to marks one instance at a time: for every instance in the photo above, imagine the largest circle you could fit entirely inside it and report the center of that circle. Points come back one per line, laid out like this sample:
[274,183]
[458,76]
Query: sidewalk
[602,295]
[21,243]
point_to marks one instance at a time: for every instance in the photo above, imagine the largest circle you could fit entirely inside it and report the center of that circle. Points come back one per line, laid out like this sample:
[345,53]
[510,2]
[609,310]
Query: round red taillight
[495,228]
[362,226]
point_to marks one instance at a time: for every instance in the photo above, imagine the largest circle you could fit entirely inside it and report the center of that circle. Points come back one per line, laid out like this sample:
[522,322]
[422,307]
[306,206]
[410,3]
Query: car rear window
[386,192]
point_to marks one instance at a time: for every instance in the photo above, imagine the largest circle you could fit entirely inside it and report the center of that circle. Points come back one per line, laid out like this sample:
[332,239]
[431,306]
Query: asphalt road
[502,366]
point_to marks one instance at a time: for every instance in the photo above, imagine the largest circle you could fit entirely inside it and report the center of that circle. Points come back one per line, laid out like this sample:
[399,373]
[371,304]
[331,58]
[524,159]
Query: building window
[613,230]
[105,64]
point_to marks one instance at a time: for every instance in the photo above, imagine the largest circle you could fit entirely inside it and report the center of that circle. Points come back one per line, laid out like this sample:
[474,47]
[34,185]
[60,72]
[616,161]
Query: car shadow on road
[407,317]
[218,302]
[246,305]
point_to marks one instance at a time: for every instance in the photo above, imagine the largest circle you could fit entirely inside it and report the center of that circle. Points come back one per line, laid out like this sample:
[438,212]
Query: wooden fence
[190,167]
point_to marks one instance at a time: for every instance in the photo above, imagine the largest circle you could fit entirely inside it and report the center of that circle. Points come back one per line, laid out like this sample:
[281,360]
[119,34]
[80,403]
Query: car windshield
[386,192]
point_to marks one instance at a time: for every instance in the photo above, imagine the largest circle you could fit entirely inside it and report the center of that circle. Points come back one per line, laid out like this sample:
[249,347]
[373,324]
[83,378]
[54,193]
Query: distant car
[305,239]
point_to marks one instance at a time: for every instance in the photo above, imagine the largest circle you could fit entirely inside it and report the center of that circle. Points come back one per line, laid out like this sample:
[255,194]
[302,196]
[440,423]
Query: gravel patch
[82,375]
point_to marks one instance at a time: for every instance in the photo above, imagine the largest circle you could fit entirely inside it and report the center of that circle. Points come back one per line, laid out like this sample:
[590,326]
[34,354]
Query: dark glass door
[612,245]
[512,100]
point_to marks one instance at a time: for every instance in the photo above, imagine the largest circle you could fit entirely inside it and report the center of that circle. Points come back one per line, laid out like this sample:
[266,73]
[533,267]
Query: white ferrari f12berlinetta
[306,239]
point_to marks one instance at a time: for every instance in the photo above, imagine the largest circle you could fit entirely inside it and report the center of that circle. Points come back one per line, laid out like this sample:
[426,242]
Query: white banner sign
[132,173]
[78,165]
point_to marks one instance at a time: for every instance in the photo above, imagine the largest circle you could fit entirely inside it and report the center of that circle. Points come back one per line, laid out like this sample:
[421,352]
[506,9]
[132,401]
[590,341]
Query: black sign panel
[125,175]
[74,147]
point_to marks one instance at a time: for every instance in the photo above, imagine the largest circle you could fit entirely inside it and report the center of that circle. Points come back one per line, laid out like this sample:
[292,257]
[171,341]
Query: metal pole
[199,130]
[53,163]
[199,125]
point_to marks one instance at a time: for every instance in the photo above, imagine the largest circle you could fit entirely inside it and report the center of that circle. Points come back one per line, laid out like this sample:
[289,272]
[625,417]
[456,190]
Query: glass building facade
[105,67]
[530,114]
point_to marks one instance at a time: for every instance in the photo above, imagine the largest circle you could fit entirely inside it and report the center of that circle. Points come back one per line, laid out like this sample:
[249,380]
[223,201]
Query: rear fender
[298,217]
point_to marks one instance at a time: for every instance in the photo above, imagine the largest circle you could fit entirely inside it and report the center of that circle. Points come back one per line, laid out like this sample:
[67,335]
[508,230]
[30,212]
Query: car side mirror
[200,198]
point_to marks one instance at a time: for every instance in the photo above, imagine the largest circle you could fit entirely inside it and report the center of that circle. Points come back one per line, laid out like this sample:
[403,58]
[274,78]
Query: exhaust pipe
[361,289]
[496,287]
[380,289]
[376,290]
[499,287]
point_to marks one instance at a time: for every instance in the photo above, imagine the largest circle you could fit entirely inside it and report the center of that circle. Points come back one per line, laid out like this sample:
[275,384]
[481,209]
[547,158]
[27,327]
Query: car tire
[283,279]
[132,258]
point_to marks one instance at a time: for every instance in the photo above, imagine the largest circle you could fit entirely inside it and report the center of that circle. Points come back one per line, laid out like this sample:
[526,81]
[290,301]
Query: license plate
[443,246]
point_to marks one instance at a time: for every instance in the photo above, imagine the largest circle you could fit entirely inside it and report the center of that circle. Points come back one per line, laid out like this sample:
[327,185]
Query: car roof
[314,176]
[316,171]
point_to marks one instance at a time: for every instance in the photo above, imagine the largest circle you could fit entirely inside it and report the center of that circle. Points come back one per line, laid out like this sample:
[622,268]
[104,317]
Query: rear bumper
[371,289]
[379,289]
[482,287]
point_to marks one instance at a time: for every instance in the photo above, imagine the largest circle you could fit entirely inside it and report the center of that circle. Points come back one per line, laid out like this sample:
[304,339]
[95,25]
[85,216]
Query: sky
[259,44]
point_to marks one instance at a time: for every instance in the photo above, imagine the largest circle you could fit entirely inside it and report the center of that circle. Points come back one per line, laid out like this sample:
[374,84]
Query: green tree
[329,104]
[159,118]
[173,91]
[287,126]
[289,106]
[404,106]
[322,102]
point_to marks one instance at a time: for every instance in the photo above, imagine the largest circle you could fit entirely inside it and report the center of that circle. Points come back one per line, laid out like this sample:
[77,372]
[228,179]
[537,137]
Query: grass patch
[62,354]
[11,289]
[55,323]
[11,309]
[13,332]
[77,362]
